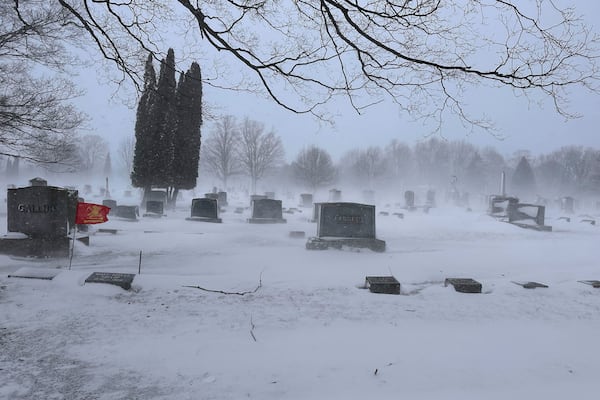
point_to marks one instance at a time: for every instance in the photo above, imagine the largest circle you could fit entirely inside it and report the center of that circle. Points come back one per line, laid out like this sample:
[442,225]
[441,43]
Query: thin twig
[252,326]
[234,293]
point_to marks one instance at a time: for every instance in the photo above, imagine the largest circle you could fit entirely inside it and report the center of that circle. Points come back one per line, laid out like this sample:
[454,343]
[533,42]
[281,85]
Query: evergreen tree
[523,179]
[186,136]
[145,131]
[163,110]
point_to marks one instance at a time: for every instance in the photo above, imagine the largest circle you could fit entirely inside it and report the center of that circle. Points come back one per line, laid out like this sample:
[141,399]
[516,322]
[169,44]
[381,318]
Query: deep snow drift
[309,330]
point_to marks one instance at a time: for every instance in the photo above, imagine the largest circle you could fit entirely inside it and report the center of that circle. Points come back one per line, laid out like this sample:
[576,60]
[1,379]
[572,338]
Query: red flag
[88,213]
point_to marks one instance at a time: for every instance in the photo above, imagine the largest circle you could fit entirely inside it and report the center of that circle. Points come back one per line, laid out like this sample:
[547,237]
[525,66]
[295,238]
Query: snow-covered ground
[309,331]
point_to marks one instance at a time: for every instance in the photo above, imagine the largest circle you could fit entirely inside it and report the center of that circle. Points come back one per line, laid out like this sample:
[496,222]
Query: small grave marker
[111,278]
[530,285]
[297,234]
[128,212]
[593,283]
[35,273]
[382,284]
[154,208]
[464,285]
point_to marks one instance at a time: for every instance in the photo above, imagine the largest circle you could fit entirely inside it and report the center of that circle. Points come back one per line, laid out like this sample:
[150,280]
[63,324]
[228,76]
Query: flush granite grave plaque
[35,273]
[345,224]
[530,285]
[112,278]
[205,210]
[267,211]
[593,283]
[464,285]
[382,284]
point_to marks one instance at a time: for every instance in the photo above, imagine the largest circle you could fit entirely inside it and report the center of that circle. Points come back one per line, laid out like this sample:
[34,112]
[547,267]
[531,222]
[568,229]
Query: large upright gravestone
[267,211]
[205,210]
[345,224]
[44,214]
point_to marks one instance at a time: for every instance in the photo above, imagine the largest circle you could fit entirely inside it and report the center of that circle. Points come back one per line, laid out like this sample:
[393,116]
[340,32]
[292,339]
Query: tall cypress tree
[145,131]
[523,179]
[187,135]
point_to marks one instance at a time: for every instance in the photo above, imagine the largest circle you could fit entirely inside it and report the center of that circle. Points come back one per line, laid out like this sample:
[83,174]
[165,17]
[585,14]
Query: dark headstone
[154,208]
[213,196]
[345,224]
[40,211]
[128,212]
[266,211]
[306,200]
[464,285]
[205,210]
[349,220]
[382,284]
[112,204]
[38,182]
[530,285]
[409,199]
[112,278]
[157,195]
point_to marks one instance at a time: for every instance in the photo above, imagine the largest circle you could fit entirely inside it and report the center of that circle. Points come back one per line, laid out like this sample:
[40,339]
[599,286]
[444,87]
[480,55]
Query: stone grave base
[464,285]
[153,215]
[382,284]
[203,219]
[316,243]
[35,273]
[541,228]
[35,247]
[267,221]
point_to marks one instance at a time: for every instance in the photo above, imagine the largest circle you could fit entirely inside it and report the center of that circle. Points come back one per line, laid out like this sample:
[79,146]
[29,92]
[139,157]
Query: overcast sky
[521,123]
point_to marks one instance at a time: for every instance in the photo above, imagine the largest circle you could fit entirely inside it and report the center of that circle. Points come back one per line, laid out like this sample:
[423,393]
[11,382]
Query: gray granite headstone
[267,211]
[430,198]
[222,198]
[345,224]
[348,220]
[40,211]
[335,195]
[111,278]
[204,209]
[567,204]
[154,207]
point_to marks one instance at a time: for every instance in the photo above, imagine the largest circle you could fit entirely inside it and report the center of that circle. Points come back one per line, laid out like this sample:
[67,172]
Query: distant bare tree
[92,150]
[313,167]
[400,159]
[258,151]
[37,121]
[365,165]
[218,153]
[425,55]
[125,153]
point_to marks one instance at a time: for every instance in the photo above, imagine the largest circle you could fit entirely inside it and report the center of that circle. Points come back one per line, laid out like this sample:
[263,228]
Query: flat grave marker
[530,285]
[464,285]
[111,278]
[35,273]
[593,283]
[382,284]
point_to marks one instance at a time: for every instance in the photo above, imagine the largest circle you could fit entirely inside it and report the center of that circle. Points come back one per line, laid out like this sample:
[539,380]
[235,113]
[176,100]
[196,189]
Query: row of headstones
[390,285]
[375,284]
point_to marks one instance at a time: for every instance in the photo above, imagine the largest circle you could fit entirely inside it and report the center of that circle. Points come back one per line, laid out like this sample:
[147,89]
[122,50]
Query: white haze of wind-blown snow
[309,331]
